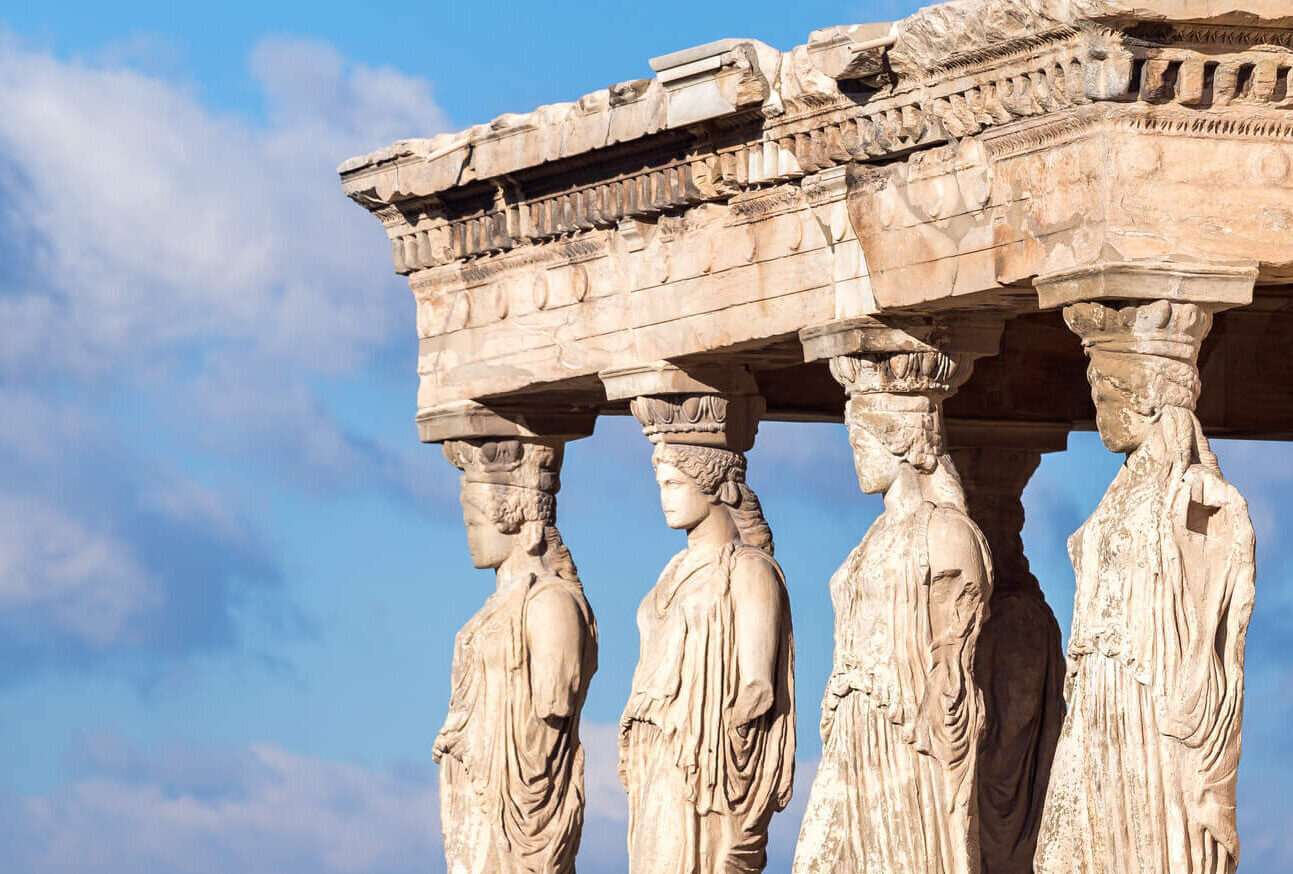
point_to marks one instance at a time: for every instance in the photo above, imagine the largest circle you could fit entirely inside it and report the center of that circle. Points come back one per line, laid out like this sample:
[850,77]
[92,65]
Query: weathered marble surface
[511,765]
[902,717]
[1144,776]
[950,159]
[707,739]
[1019,665]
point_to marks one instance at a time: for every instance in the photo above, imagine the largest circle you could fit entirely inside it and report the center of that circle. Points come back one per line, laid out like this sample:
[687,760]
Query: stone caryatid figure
[902,716]
[1144,775]
[1020,660]
[511,764]
[707,740]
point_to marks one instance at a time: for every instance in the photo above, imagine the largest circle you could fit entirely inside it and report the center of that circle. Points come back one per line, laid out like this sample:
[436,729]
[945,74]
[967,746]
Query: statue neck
[714,531]
[519,565]
[1154,454]
[910,489]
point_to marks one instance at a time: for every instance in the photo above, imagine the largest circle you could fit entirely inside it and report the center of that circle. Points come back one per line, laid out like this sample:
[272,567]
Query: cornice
[615,157]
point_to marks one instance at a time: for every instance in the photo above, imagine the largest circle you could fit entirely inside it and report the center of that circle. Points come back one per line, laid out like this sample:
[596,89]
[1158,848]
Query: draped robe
[895,790]
[702,790]
[1144,774]
[511,783]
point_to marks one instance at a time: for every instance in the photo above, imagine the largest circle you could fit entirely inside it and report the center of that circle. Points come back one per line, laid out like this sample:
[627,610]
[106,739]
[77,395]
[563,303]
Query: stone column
[1144,773]
[707,740]
[511,763]
[1020,662]
[902,717]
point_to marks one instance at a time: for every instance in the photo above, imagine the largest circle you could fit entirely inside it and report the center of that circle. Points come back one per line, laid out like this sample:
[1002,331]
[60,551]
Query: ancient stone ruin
[931,230]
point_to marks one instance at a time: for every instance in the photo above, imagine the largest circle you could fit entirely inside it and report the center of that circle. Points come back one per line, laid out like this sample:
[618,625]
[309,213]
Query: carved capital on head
[720,421]
[967,335]
[897,370]
[877,377]
[717,407]
[1163,328]
[530,464]
[1148,351]
[902,363]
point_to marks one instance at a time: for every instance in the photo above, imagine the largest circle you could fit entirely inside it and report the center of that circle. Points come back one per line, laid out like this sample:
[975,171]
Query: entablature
[965,159]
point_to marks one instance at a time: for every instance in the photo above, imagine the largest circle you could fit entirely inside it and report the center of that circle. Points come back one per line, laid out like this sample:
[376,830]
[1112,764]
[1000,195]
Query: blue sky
[229,574]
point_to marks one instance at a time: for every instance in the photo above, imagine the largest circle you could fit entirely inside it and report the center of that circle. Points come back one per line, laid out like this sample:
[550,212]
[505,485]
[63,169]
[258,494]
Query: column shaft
[1019,665]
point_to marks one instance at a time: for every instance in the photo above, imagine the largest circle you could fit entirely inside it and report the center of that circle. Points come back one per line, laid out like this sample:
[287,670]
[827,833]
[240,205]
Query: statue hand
[940,707]
[752,701]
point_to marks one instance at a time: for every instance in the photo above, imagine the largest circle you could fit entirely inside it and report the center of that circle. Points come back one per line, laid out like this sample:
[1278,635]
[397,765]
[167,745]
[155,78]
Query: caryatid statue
[511,764]
[1019,665]
[707,740]
[902,717]
[1144,774]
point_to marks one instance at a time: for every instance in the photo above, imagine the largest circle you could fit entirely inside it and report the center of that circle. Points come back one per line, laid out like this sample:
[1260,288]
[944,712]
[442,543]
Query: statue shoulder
[556,601]
[758,563]
[954,540]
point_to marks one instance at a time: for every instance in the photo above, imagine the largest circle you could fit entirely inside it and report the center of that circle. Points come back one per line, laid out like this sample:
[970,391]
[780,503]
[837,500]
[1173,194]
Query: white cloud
[203,267]
[83,584]
[184,808]
[190,809]
[163,223]
[269,811]
[604,796]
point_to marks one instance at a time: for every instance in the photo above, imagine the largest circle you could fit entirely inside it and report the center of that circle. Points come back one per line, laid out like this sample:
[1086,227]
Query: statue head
[893,413]
[696,481]
[1142,363]
[501,519]
[509,499]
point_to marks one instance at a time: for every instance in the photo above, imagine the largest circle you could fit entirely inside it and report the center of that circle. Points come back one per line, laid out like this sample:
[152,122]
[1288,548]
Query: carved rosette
[1164,591]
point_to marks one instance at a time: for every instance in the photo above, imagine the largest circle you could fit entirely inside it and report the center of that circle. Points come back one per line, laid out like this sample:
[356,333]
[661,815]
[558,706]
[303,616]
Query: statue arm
[757,611]
[1211,582]
[960,585]
[555,631]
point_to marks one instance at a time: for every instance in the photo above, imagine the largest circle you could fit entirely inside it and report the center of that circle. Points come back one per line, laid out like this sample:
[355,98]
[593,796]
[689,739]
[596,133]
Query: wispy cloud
[185,808]
[175,283]
[197,809]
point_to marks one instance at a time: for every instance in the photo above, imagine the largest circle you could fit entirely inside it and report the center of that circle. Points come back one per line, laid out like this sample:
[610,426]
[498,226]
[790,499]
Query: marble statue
[707,740]
[1144,775]
[1019,665]
[902,717]
[511,764]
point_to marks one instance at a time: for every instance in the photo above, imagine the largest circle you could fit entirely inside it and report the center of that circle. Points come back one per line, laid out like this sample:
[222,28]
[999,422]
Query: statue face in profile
[1122,427]
[877,467]
[685,505]
[488,544]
